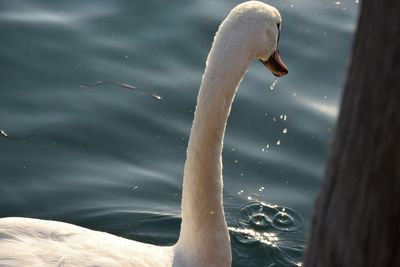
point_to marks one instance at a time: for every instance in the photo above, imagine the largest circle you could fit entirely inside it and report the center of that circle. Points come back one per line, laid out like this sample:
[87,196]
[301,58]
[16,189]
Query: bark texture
[357,214]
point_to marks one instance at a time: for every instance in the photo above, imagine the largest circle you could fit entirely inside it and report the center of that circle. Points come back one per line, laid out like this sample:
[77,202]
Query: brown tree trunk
[357,215]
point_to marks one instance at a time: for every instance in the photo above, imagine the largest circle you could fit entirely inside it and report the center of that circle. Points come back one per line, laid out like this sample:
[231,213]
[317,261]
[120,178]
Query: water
[111,159]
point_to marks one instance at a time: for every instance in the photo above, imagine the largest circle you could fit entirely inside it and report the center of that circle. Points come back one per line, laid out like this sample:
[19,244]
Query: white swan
[250,31]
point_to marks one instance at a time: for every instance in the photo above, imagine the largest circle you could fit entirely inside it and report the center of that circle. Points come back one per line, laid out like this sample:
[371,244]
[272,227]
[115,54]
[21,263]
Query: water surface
[111,159]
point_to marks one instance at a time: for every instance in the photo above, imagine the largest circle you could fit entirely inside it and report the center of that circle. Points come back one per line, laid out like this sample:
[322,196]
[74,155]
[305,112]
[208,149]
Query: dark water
[111,159]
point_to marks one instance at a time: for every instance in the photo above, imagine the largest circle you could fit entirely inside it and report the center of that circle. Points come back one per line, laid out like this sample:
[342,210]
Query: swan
[250,31]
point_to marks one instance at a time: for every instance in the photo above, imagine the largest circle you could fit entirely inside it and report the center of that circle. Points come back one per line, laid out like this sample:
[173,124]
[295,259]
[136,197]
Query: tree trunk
[357,215]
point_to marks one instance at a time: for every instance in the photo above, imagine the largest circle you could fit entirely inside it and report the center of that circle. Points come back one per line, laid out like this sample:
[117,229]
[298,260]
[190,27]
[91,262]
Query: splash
[263,217]
[279,231]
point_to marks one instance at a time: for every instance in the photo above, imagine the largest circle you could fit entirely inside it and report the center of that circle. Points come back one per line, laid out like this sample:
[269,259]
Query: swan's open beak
[275,64]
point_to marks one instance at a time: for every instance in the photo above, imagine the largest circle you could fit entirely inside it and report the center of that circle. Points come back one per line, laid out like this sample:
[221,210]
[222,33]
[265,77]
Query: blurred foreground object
[357,215]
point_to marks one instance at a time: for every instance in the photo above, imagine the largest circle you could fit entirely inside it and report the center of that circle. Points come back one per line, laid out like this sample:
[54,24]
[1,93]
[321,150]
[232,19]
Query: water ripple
[277,228]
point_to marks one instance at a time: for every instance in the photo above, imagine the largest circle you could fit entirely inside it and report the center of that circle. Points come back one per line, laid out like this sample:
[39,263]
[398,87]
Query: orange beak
[275,64]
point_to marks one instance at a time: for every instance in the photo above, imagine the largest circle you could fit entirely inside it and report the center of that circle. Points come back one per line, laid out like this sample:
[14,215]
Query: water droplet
[265,148]
[284,130]
[272,87]
[337,3]
[157,97]
[278,142]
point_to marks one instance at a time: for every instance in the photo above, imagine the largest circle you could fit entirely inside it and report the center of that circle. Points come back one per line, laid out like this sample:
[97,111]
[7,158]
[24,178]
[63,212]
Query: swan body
[249,32]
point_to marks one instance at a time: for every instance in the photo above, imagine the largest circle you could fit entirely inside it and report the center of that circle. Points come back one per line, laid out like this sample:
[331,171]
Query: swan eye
[279,32]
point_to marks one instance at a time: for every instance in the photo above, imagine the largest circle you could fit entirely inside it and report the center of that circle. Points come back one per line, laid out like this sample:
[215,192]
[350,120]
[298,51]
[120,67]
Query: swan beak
[275,64]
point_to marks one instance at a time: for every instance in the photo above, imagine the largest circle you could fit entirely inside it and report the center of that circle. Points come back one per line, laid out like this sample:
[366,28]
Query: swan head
[257,25]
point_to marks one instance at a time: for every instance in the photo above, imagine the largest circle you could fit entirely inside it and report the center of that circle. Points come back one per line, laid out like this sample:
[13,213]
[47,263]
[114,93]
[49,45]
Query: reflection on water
[112,159]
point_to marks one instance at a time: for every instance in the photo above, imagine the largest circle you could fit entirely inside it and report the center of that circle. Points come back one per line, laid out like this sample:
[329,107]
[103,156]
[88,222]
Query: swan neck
[203,221]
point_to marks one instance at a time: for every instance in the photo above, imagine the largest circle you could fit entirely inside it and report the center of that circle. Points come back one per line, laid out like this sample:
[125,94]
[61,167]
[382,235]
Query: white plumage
[249,32]
[33,242]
